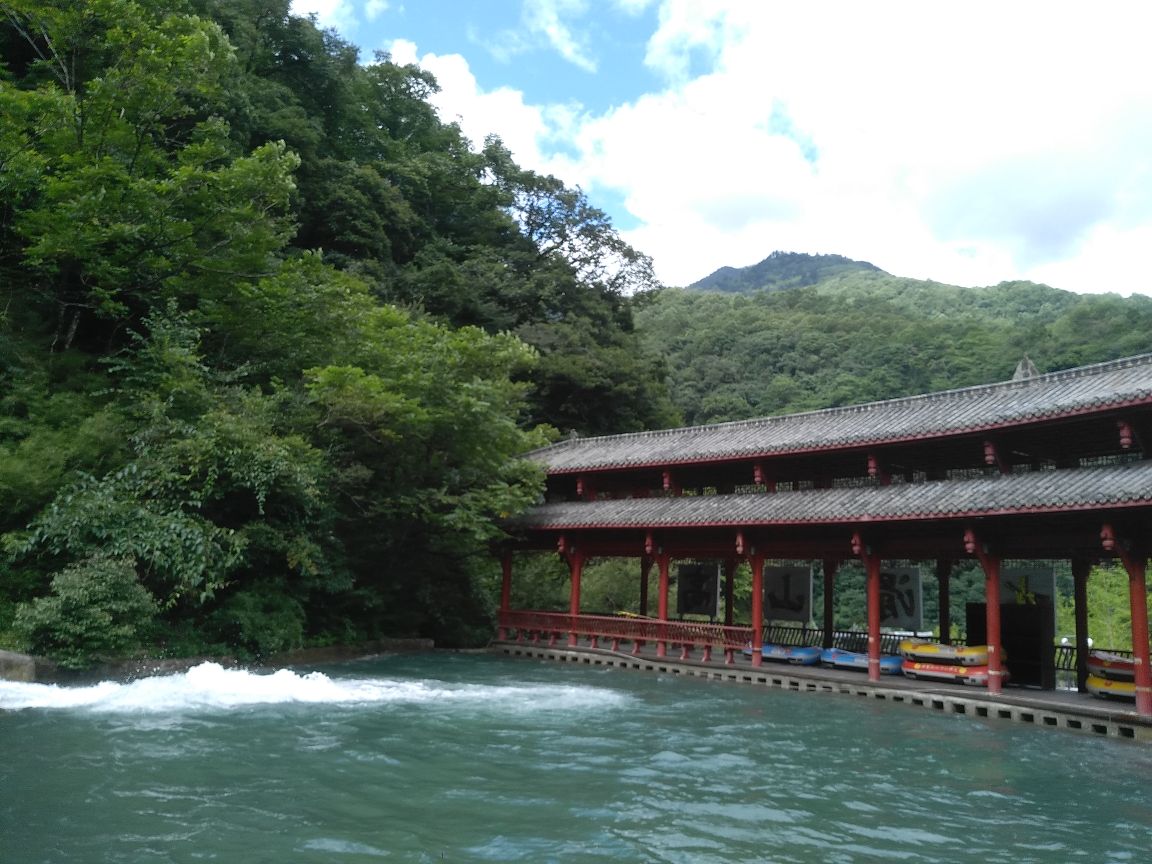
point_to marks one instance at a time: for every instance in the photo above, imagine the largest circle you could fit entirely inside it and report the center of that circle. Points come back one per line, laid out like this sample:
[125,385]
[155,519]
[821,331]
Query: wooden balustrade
[536,626]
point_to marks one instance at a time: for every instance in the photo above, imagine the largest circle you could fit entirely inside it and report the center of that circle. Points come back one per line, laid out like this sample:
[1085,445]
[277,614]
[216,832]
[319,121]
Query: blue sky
[603,67]
[970,142]
[591,52]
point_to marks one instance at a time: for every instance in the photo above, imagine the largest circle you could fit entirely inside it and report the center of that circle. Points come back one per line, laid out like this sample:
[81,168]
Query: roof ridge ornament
[1025,370]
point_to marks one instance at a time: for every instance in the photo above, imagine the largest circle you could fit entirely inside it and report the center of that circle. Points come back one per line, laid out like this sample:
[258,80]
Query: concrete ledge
[24,667]
[1025,708]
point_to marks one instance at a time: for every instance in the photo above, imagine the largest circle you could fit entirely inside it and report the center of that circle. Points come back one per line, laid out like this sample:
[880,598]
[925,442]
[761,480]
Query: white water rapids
[211,687]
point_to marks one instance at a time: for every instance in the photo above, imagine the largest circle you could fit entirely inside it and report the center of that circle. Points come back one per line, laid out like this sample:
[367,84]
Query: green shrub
[259,620]
[97,609]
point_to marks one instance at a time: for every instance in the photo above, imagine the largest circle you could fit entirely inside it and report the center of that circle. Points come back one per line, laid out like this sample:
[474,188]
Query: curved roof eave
[1073,490]
[1099,388]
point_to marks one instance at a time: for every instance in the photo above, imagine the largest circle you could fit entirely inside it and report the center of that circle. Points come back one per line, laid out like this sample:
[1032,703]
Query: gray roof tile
[1103,386]
[1040,491]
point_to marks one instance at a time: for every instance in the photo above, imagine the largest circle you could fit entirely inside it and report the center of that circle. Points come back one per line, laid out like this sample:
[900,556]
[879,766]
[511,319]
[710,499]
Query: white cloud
[339,15]
[633,7]
[967,143]
[525,129]
[972,145]
[550,19]
[373,9]
[686,29]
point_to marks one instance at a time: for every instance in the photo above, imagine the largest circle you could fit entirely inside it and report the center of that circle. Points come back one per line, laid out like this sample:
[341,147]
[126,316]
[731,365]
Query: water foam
[211,687]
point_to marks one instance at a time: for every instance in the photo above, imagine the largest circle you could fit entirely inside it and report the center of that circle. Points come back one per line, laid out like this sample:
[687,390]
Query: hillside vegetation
[858,334]
[272,336]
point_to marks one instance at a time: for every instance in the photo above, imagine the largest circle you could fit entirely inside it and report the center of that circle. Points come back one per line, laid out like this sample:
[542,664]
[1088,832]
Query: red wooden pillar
[757,562]
[576,569]
[944,588]
[505,594]
[830,567]
[1081,567]
[1137,567]
[991,565]
[871,561]
[575,559]
[1138,599]
[872,566]
[664,562]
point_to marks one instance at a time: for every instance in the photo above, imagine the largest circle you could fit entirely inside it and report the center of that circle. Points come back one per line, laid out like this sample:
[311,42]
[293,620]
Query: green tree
[97,609]
[1109,609]
[205,221]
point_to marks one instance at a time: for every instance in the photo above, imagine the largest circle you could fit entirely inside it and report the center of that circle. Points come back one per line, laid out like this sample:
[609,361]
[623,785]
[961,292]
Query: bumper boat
[1107,688]
[955,673]
[947,655]
[800,655]
[1117,667]
[839,659]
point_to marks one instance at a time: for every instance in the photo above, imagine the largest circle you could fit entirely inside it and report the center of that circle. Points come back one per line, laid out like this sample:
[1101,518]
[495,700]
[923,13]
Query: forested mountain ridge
[862,335]
[781,271]
[273,335]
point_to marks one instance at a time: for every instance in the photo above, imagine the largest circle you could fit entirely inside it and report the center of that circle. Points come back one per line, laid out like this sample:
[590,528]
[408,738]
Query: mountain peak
[780,271]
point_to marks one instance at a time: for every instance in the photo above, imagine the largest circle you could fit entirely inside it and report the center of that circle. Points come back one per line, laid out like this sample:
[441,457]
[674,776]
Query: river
[476,758]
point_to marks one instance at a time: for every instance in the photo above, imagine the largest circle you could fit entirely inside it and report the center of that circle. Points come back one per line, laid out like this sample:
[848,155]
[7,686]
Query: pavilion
[1041,467]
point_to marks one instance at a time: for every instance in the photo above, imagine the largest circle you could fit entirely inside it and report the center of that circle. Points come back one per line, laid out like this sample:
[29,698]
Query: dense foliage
[272,335]
[863,335]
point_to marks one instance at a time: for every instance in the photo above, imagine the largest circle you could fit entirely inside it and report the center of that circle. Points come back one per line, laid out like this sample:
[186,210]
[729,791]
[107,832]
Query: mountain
[781,271]
[861,334]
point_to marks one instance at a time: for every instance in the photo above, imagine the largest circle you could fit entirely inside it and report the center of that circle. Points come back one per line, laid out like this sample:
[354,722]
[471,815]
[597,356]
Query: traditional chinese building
[1041,467]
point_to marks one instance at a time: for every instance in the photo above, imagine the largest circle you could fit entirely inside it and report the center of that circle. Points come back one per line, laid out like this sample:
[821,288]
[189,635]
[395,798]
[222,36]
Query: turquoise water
[464,758]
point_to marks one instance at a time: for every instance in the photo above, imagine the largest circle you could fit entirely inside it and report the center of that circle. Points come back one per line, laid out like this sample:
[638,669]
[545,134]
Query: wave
[211,687]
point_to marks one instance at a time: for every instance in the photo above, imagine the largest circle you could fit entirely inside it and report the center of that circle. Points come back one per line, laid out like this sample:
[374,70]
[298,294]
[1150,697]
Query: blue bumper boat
[890,664]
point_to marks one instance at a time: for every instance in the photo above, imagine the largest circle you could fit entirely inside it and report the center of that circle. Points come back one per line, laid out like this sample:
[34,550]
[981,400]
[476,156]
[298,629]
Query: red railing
[529,625]
[536,626]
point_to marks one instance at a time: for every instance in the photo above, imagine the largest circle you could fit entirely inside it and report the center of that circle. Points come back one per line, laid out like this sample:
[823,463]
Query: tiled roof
[1086,389]
[1035,492]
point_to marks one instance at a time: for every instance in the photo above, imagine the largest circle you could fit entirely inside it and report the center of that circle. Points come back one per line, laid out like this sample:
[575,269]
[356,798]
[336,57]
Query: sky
[968,143]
